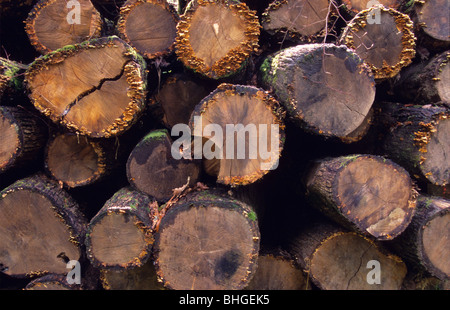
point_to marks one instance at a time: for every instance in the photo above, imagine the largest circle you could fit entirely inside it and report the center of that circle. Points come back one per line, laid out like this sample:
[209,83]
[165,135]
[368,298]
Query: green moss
[252,216]
[158,134]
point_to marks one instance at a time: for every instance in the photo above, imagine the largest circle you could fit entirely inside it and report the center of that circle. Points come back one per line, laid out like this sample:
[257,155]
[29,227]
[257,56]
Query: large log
[215,38]
[41,228]
[308,82]
[369,194]
[53,24]
[207,241]
[96,88]
[383,38]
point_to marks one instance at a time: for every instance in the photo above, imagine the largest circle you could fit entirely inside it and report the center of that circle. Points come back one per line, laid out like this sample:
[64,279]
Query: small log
[304,21]
[207,241]
[369,194]
[51,282]
[223,119]
[308,82]
[120,235]
[77,160]
[96,88]
[425,243]
[278,270]
[418,140]
[215,38]
[426,82]
[41,228]
[149,26]
[152,169]
[383,38]
[336,259]
[53,24]
[23,137]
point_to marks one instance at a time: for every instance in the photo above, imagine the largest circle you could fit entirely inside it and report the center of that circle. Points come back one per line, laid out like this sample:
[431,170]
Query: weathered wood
[215,38]
[336,259]
[23,137]
[96,88]
[383,38]
[308,82]
[207,241]
[51,282]
[120,235]
[367,193]
[149,26]
[53,24]
[41,228]
[223,119]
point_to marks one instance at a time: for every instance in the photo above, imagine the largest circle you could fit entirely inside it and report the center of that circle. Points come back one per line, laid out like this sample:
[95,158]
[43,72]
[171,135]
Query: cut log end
[53,24]
[215,38]
[10,142]
[96,88]
[149,26]
[434,20]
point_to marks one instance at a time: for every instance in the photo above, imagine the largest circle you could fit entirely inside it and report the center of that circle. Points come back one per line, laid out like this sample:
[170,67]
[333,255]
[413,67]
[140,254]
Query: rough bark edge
[125,11]
[404,24]
[52,278]
[95,28]
[135,71]
[235,58]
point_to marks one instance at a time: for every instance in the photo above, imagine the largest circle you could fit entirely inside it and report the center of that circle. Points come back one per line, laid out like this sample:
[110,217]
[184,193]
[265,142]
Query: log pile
[218,144]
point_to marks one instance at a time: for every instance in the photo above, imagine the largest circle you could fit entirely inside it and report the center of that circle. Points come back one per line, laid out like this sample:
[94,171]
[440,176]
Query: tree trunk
[336,259]
[369,194]
[418,140]
[383,38]
[78,160]
[215,38]
[120,235]
[23,137]
[53,24]
[424,244]
[426,82]
[149,26]
[96,88]
[41,228]
[301,21]
[307,80]
[153,170]
[222,120]
[207,241]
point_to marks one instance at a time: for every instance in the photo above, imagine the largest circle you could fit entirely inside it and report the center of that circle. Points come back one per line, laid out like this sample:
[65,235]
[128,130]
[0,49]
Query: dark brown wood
[307,80]
[336,259]
[207,241]
[23,137]
[149,26]
[41,228]
[53,24]
[227,108]
[215,38]
[152,169]
[386,43]
[120,235]
[51,282]
[367,193]
[96,88]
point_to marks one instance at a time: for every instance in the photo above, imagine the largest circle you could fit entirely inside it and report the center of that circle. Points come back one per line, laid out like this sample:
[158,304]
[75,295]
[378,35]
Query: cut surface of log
[41,228]
[120,235]
[77,160]
[149,26]
[304,20]
[308,82]
[53,24]
[369,193]
[22,137]
[433,18]
[342,260]
[387,45]
[152,169]
[243,131]
[96,88]
[356,6]
[215,38]
[207,241]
